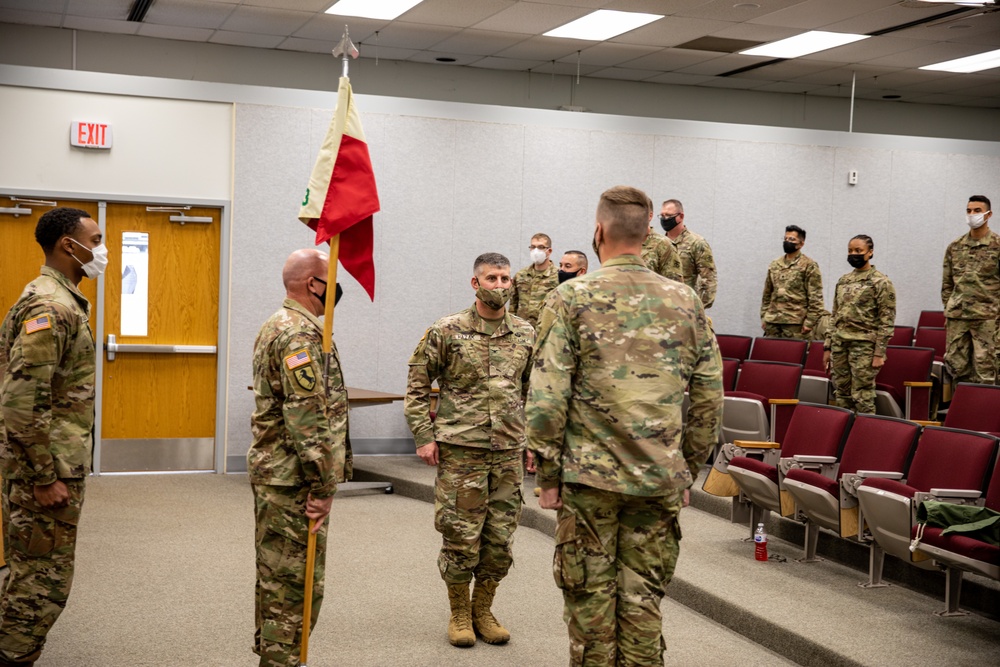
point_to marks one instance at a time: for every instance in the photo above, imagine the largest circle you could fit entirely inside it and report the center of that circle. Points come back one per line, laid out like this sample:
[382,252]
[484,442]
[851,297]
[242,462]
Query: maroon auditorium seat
[975,407]
[785,350]
[933,337]
[734,347]
[901,336]
[931,318]
[903,384]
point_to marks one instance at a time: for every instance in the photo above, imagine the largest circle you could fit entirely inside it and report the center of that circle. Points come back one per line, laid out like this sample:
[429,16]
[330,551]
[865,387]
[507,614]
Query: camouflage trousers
[615,555]
[970,350]
[281,534]
[477,504]
[40,546]
[852,374]
[773,330]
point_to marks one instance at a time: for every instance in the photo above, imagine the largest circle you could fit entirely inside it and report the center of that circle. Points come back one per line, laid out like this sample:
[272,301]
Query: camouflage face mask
[493,298]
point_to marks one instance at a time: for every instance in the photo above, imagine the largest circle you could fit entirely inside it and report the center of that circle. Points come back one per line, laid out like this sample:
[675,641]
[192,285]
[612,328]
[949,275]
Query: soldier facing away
[864,312]
[970,292]
[533,283]
[300,452]
[616,350]
[47,366]
[480,358]
[792,304]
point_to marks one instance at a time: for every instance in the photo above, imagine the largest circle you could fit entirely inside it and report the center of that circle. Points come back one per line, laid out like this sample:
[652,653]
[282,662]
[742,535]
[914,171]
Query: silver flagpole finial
[344,49]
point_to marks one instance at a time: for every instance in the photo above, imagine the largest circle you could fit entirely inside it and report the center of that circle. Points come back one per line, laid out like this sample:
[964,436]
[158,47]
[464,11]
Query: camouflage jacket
[970,284]
[793,292]
[530,289]
[864,308]
[662,257]
[482,380]
[300,433]
[47,365]
[616,350]
[698,265]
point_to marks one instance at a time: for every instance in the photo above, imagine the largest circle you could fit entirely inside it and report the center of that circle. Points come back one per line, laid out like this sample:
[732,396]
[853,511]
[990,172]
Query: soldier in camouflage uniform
[573,263]
[697,262]
[659,253]
[533,283]
[864,312]
[300,452]
[616,350]
[480,358]
[792,304]
[47,366]
[970,292]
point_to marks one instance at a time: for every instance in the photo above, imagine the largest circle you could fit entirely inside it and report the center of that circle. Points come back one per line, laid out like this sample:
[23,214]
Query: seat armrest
[756,444]
[952,496]
[928,385]
[783,401]
[885,474]
[806,458]
[955,493]
[925,423]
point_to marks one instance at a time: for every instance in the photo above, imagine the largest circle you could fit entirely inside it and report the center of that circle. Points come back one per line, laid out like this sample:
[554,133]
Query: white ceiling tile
[30,18]
[531,18]
[939,98]
[731,10]
[789,87]
[172,32]
[325,26]
[720,65]
[432,56]
[987,102]
[671,31]
[814,14]
[982,89]
[458,13]
[886,17]
[788,69]
[307,45]
[299,5]
[623,74]
[98,9]
[266,21]
[867,49]
[945,84]
[545,48]
[374,52]
[565,68]
[101,25]
[189,14]
[842,75]
[482,42]
[673,59]
[589,4]
[665,7]
[255,40]
[515,64]
[414,35]
[677,79]
[756,32]
[609,54]
[926,55]
[731,82]
[45,6]
[965,28]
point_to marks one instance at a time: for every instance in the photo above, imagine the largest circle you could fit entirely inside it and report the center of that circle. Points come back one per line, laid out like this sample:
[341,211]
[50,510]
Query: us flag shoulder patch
[300,358]
[40,323]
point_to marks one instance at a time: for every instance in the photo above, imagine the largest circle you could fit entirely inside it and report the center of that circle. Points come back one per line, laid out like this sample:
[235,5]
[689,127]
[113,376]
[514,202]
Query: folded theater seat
[825,493]
[744,418]
[815,385]
[961,538]
[903,385]
[901,336]
[734,347]
[816,432]
[949,464]
[785,350]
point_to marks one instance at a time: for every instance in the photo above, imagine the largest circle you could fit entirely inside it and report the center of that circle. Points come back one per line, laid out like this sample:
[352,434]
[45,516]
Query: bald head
[305,268]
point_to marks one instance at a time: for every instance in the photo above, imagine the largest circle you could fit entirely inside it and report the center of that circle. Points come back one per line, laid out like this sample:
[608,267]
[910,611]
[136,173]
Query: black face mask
[566,275]
[857,261]
[322,297]
[789,247]
[668,223]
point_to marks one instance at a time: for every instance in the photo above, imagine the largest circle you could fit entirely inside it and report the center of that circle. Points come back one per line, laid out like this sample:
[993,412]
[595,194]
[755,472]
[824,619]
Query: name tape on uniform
[40,323]
[300,358]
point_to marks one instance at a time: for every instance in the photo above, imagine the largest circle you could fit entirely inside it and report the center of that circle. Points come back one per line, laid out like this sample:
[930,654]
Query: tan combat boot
[483,621]
[460,631]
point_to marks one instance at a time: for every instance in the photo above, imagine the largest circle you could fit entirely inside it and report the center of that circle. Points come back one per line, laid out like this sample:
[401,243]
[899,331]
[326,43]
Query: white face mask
[976,220]
[537,256]
[96,266]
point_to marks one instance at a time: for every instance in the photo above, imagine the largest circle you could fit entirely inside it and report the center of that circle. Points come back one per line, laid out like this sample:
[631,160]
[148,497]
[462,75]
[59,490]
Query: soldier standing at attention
[533,283]
[864,311]
[697,262]
[792,304]
[970,291]
[300,451]
[604,422]
[480,358]
[659,253]
[47,370]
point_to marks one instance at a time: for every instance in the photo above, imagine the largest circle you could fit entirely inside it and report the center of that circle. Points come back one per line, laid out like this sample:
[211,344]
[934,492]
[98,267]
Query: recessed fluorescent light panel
[602,24]
[804,44]
[976,63]
[372,9]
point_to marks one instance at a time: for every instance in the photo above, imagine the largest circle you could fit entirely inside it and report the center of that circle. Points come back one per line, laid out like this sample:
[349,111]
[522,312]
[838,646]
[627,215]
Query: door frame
[225,279]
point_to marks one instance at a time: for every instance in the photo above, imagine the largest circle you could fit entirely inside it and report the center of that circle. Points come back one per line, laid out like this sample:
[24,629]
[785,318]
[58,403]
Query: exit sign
[90,135]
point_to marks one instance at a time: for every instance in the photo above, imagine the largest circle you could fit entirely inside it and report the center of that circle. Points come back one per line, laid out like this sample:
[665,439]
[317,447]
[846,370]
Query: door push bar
[114,348]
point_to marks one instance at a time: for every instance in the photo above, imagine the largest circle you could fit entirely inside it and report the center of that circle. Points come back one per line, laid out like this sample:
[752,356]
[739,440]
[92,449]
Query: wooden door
[159,383]
[23,257]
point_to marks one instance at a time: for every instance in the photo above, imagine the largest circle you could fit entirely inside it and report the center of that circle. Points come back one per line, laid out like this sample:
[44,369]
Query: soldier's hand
[52,495]
[429,453]
[687,498]
[318,509]
[826,358]
[806,330]
[877,362]
[529,461]
[550,500]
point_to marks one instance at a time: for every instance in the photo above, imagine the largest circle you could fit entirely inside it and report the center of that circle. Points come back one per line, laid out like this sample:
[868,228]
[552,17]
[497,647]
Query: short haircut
[579,255]
[649,204]
[867,239]
[548,241]
[624,210]
[490,259]
[57,223]
[677,203]
[798,230]
[982,199]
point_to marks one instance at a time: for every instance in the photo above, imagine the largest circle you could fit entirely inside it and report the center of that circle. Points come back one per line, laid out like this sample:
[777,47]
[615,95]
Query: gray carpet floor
[165,576]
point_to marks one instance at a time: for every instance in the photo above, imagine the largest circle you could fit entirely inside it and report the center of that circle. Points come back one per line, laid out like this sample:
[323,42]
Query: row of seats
[863,476]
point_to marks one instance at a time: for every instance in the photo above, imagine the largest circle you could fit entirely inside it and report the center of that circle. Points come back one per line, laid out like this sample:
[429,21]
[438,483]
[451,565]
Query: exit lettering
[90,135]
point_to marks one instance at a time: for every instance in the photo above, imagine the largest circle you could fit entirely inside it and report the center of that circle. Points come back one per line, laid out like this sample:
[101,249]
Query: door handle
[114,348]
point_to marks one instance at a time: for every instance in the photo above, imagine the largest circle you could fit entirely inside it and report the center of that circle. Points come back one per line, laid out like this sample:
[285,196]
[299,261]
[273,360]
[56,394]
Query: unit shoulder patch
[305,376]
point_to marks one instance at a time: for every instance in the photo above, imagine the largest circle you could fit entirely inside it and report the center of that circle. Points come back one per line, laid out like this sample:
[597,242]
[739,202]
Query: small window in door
[135,284]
